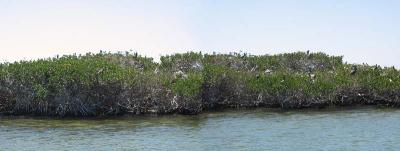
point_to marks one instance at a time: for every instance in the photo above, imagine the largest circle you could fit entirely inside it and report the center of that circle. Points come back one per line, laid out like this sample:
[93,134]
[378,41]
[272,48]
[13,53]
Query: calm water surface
[355,129]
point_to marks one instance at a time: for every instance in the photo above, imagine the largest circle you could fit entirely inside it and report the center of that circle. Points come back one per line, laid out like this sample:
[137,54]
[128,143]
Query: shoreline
[216,111]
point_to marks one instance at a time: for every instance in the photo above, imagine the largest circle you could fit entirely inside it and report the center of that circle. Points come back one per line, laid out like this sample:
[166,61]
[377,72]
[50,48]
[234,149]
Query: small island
[111,84]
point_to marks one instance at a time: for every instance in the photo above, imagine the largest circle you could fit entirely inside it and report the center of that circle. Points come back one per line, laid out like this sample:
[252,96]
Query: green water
[349,129]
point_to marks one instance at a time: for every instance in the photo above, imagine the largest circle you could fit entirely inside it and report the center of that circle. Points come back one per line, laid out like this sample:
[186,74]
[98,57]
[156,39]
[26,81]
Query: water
[347,129]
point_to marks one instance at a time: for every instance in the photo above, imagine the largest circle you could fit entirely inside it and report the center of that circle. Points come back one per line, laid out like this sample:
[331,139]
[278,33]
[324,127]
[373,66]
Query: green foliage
[379,79]
[190,86]
[180,61]
[214,73]
[40,92]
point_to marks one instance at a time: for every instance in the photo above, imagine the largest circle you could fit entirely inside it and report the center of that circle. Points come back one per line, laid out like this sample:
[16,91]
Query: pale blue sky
[361,30]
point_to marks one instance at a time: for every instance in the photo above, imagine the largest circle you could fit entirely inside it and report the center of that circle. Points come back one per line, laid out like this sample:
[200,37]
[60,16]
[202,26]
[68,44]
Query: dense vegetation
[127,83]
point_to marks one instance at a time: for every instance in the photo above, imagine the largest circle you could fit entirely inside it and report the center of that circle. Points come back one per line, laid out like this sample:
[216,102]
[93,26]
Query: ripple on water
[356,129]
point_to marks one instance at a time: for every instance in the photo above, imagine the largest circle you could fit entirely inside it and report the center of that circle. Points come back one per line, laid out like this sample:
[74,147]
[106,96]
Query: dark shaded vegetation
[127,83]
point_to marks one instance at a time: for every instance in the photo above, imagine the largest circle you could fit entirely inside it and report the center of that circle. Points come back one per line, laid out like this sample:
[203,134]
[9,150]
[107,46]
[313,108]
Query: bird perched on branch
[309,55]
[312,77]
[353,70]
[267,72]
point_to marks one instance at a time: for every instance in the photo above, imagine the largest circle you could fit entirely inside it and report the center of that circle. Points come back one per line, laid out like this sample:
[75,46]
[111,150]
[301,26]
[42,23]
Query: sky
[363,31]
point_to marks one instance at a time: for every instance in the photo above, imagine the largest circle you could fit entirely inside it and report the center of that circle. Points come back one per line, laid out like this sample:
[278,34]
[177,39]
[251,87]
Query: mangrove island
[109,84]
